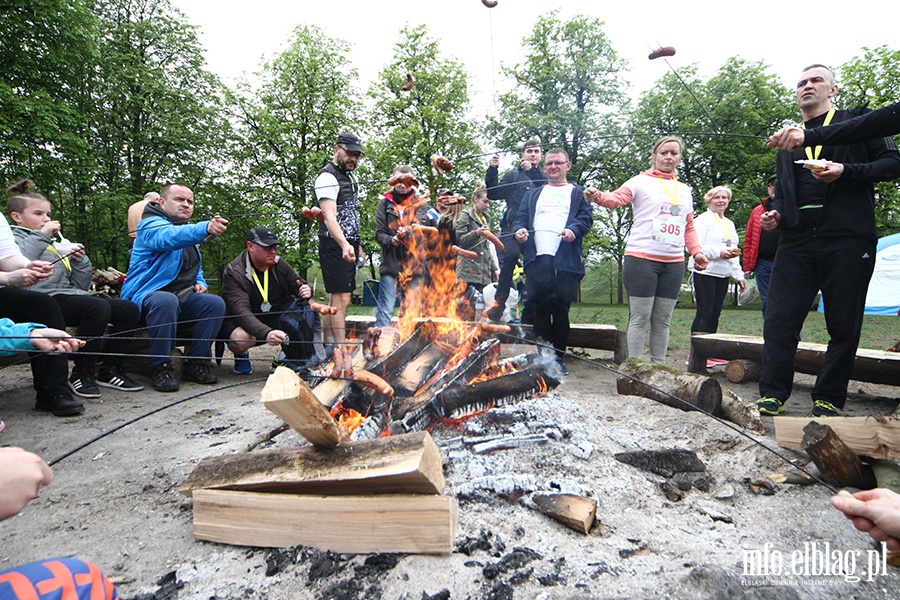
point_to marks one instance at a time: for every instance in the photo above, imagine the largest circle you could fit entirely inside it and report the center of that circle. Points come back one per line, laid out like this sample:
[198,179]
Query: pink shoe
[719,361]
[710,363]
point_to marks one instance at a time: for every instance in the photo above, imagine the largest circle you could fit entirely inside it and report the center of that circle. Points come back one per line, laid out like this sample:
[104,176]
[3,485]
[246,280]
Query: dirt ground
[115,502]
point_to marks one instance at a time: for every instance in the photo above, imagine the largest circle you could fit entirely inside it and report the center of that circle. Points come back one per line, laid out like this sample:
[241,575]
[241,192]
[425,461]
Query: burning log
[694,390]
[741,370]
[405,352]
[415,411]
[465,398]
[575,512]
[837,463]
[288,396]
[402,464]
[421,524]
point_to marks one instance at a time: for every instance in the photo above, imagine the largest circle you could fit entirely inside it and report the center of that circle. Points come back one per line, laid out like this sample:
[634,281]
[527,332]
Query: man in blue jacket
[551,224]
[165,279]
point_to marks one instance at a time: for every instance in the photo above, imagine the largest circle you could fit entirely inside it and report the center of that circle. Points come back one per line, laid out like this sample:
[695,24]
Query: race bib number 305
[669,229]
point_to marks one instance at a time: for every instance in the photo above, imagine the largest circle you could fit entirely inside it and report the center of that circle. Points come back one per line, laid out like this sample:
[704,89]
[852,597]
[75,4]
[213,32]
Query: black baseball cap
[262,236]
[350,142]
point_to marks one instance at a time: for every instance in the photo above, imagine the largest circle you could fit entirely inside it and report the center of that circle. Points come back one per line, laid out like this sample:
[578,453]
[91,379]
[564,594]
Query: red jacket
[751,237]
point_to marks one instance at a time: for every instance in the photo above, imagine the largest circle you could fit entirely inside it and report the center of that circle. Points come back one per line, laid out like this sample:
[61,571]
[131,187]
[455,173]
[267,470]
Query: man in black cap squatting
[340,252]
[258,288]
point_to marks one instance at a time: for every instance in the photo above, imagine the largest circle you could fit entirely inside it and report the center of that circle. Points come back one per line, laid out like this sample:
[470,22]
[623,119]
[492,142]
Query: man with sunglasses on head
[340,249]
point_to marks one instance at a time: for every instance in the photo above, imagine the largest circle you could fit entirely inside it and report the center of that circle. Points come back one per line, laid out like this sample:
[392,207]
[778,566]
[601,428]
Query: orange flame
[348,418]
[542,386]
[428,279]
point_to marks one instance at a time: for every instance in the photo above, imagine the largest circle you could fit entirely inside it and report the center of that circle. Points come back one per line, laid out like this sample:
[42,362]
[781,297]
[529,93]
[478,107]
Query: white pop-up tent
[883,297]
[884,289]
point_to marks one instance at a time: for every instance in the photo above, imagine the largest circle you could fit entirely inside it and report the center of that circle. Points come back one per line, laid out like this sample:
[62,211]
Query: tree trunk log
[690,390]
[874,366]
[837,463]
[740,370]
[742,413]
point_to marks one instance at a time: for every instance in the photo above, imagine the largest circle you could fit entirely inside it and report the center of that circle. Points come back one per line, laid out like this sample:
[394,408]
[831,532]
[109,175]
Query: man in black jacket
[824,205]
[259,288]
[512,189]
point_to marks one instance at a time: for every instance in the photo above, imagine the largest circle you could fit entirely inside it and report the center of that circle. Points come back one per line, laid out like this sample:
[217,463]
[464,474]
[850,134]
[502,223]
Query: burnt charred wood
[837,463]
[472,364]
[663,462]
[460,399]
[661,383]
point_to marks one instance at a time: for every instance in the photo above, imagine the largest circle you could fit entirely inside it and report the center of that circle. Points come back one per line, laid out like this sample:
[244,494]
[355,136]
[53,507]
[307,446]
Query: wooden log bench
[873,366]
[581,335]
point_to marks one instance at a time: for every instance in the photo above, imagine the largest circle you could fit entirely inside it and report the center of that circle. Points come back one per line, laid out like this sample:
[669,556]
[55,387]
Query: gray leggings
[653,289]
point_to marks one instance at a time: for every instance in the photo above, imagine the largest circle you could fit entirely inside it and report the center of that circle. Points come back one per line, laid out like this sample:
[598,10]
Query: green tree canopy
[286,132]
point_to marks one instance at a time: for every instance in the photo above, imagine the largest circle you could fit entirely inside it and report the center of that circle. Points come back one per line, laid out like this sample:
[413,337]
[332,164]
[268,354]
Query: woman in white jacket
[719,240]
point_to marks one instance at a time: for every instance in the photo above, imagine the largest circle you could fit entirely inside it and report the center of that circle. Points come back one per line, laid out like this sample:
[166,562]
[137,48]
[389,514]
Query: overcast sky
[785,35]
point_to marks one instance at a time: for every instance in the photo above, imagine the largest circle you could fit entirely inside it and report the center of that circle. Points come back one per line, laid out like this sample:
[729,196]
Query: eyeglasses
[555,163]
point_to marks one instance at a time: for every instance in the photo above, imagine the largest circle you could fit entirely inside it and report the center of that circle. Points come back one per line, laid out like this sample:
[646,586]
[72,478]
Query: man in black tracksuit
[828,239]
[512,189]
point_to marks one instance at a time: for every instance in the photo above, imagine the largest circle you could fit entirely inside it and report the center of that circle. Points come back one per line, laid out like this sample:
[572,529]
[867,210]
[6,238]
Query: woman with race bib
[663,226]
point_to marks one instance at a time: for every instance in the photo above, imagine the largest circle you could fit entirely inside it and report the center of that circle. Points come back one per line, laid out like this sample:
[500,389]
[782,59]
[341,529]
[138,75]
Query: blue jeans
[763,270]
[387,298]
[162,312]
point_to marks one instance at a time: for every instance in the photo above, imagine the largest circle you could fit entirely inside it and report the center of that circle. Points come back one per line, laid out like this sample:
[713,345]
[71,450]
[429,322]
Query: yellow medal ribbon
[721,223]
[672,194]
[809,152]
[264,287]
[65,259]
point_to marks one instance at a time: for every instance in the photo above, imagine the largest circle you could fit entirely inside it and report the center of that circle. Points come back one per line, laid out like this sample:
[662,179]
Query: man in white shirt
[551,223]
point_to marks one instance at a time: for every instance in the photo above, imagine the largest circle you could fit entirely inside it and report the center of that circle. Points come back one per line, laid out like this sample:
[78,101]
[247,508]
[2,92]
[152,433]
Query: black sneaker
[61,405]
[770,406]
[198,371]
[115,377]
[163,378]
[821,408]
[82,383]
